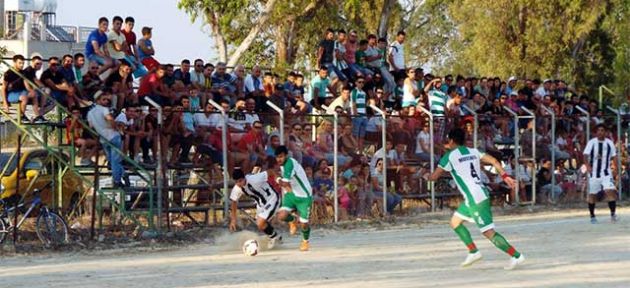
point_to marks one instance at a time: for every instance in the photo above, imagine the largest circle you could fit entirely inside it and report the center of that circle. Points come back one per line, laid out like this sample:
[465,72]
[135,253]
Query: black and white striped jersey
[599,154]
[257,188]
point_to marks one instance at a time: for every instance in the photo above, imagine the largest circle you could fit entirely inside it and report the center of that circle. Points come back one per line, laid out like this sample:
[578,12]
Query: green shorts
[480,214]
[290,202]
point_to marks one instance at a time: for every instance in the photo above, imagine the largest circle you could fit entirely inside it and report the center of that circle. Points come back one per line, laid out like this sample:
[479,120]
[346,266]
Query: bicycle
[50,227]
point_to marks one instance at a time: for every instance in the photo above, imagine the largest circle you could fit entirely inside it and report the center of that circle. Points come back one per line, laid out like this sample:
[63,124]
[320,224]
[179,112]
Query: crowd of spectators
[353,75]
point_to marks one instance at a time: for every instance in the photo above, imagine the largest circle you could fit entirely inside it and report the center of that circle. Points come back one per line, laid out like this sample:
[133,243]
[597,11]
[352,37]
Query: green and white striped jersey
[464,164]
[293,173]
[437,102]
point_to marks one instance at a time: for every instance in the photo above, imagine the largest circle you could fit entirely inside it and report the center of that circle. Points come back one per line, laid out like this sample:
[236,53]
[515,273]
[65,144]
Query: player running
[464,165]
[599,156]
[298,194]
[267,201]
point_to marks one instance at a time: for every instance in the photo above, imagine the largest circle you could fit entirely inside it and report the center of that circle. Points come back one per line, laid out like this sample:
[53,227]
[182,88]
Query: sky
[174,36]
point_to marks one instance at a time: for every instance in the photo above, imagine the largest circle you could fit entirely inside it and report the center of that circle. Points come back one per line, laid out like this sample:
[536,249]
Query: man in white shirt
[197,79]
[101,119]
[254,83]
[342,101]
[397,55]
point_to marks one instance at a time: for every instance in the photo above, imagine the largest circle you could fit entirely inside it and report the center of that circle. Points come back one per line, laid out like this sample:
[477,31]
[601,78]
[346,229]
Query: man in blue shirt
[94,47]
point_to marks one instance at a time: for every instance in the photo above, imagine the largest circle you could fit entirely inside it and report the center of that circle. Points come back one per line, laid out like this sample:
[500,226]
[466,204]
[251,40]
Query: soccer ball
[250,247]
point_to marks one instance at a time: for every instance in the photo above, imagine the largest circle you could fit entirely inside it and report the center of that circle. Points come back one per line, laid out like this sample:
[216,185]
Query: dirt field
[562,248]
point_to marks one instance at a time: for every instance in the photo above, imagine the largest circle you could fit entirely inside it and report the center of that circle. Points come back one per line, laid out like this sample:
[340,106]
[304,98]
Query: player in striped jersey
[599,157]
[464,164]
[257,187]
[298,195]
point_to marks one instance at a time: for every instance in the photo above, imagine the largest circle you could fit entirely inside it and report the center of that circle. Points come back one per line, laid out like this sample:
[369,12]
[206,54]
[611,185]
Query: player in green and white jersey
[464,164]
[298,194]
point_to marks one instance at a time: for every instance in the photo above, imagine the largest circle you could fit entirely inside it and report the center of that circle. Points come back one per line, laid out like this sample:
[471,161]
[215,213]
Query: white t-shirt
[197,77]
[398,54]
[251,85]
[338,102]
[214,120]
[122,118]
[250,118]
[120,38]
[422,137]
[96,118]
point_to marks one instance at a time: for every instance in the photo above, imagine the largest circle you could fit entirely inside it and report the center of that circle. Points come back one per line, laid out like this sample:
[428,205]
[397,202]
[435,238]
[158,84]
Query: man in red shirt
[130,38]
[151,86]
[251,147]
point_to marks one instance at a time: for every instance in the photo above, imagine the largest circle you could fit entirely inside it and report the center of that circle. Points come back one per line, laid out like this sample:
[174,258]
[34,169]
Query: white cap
[514,92]
[513,78]
[547,80]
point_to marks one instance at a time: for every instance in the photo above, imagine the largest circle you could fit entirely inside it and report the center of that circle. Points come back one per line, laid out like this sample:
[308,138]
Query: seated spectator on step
[121,83]
[62,91]
[146,52]
[95,47]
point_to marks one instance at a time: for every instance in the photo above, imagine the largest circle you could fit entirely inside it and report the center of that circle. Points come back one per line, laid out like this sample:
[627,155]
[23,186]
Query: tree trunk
[253,33]
[217,34]
[385,13]
[282,45]
[522,25]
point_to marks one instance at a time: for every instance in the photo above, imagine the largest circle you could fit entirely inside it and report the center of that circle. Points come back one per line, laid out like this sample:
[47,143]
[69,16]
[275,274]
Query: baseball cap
[513,78]
[514,93]
[547,80]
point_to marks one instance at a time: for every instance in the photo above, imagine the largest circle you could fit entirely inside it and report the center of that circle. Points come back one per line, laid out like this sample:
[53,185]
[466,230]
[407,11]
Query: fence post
[588,122]
[517,142]
[619,155]
[431,154]
[159,176]
[335,164]
[384,143]
[553,149]
[475,124]
[281,113]
[533,117]
[225,158]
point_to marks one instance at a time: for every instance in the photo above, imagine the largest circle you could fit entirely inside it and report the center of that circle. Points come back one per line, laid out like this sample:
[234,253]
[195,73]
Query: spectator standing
[101,119]
[397,56]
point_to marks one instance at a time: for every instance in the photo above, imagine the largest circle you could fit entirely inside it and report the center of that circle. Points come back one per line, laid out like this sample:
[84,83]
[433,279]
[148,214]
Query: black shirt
[15,83]
[56,78]
[30,73]
[329,49]
[116,77]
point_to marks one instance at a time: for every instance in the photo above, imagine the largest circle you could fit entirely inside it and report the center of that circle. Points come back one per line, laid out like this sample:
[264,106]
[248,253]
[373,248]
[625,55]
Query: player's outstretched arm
[487,159]
[436,174]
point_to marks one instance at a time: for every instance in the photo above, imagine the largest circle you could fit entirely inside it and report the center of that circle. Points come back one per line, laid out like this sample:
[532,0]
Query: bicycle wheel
[51,228]
[3,230]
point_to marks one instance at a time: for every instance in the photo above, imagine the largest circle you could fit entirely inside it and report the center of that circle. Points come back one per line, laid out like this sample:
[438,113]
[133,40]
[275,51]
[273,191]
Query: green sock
[306,233]
[464,235]
[289,218]
[503,244]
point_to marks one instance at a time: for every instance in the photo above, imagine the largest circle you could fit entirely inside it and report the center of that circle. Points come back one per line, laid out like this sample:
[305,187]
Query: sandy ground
[562,248]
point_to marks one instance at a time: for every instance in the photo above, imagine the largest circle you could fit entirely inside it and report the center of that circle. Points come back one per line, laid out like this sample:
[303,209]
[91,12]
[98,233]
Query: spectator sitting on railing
[67,71]
[121,83]
[117,47]
[146,50]
[130,39]
[95,47]
[61,91]
[17,89]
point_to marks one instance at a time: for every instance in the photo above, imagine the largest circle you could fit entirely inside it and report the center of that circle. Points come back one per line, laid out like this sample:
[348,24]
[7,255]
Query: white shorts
[267,211]
[605,183]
